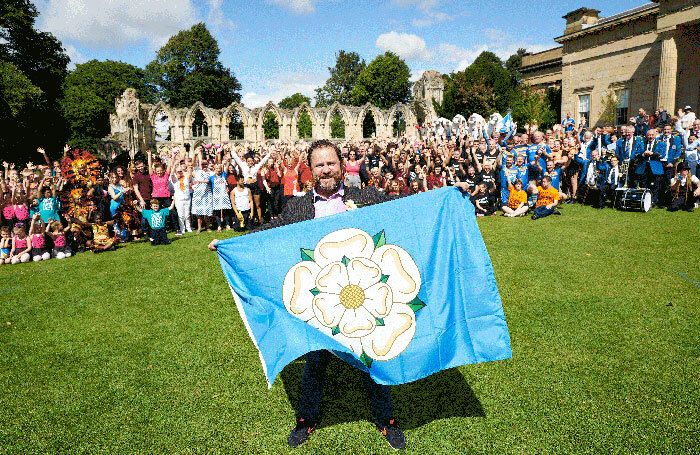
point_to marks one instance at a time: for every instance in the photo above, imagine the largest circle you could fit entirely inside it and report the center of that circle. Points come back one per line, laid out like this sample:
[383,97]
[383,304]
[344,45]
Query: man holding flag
[363,298]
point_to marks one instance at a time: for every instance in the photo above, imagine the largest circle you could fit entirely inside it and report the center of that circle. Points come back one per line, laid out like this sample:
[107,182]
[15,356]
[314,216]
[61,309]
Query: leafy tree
[32,72]
[271,127]
[344,75]
[532,107]
[187,69]
[90,91]
[337,126]
[608,106]
[369,127]
[383,83]
[294,101]
[515,62]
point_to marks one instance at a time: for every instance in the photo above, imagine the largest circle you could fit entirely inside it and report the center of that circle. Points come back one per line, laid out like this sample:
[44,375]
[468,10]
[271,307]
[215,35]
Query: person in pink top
[21,247]
[36,236]
[159,177]
[352,169]
[57,232]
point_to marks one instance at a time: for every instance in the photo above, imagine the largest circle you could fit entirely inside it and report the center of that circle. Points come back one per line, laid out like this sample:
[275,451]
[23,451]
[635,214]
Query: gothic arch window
[200,128]
[162,126]
[236,128]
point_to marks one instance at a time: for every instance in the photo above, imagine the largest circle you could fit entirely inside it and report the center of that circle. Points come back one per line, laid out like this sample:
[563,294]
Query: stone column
[668,71]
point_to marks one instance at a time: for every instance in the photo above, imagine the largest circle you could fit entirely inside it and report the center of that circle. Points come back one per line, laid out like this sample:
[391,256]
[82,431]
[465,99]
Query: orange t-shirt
[515,198]
[546,197]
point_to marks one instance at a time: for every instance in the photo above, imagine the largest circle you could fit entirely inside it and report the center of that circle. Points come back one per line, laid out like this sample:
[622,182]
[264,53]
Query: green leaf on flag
[315,291]
[367,360]
[416,304]
[345,260]
[335,330]
[380,322]
[307,255]
[379,239]
[384,279]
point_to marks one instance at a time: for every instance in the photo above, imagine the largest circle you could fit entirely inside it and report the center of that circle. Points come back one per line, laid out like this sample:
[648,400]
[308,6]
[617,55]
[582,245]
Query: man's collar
[340,192]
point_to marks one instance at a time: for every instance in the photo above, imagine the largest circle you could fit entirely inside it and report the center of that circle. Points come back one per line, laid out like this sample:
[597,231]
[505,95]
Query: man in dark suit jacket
[329,196]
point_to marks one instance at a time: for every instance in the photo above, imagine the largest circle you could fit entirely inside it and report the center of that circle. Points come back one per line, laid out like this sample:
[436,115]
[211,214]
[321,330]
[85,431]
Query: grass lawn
[142,351]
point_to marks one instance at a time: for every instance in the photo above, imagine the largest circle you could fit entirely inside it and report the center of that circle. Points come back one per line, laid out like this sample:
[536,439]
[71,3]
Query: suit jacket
[302,208]
[604,142]
[674,149]
[653,160]
[602,166]
[637,148]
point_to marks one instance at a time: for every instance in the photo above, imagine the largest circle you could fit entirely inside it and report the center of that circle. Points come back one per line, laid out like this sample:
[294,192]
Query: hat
[687,108]
[683,167]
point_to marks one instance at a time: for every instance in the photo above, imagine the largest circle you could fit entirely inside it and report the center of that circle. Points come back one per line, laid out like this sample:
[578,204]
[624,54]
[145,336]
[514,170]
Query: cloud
[76,58]
[297,6]
[284,85]
[405,45]
[217,19]
[431,18]
[116,23]
[427,11]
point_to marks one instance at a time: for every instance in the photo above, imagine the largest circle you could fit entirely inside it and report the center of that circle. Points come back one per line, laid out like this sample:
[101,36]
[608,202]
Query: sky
[277,48]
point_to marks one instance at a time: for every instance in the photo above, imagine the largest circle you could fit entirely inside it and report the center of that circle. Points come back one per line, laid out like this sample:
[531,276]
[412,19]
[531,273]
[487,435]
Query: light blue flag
[508,125]
[401,289]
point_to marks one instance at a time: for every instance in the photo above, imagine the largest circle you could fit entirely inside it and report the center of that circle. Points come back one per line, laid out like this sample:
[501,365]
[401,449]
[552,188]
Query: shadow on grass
[440,396]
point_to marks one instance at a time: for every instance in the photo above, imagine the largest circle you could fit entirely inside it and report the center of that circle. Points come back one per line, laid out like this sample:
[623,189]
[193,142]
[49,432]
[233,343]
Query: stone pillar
[666,95]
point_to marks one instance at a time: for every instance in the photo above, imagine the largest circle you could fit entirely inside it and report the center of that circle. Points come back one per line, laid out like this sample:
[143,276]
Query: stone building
[137,126]
[647,55]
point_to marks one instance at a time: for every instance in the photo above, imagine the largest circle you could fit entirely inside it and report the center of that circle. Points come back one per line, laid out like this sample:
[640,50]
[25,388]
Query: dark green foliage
[187,69]
[304,120]
[369,127]
[532,106]
[383,83]
[344,75]
[90,91]
[294,101]
[337,126]
[33,67]
[271,126]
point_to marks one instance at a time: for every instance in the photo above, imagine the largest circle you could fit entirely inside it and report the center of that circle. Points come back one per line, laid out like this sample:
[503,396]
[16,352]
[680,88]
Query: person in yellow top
[517,200]
[547,199]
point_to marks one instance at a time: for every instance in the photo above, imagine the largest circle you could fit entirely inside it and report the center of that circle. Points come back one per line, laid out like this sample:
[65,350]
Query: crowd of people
[54,209]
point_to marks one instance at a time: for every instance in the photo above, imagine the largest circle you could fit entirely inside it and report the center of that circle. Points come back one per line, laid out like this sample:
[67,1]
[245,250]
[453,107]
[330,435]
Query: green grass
[142,351]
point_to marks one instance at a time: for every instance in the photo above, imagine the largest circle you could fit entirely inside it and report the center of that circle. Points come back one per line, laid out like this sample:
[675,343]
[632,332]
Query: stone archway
[247,133]
[328,123]
[308,127]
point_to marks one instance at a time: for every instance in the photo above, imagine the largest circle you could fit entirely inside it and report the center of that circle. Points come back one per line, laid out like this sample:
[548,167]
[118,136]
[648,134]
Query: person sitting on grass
[5,244]
[21,246]
[683,196]
[57,232]
[36,237]
[484,203]
[101,238]
[156,219]
[517,200]
[547,199]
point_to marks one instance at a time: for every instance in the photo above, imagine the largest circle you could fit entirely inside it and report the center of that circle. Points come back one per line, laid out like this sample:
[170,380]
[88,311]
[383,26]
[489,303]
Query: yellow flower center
[352,297]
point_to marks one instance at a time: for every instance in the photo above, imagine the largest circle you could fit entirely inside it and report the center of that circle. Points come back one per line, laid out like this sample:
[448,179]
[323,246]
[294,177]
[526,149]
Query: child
[101,240]
[5,244]
[57,232]
[21,247]
[38,242]
[156,219]
[48,205]
[517,200]
[484,202]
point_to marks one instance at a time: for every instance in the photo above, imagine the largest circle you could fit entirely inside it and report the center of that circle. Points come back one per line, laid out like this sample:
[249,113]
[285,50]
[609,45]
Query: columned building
[648,56]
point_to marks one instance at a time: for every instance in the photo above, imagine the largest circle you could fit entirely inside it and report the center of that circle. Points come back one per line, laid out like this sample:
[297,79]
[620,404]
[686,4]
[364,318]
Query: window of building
[584,109]
[622,109]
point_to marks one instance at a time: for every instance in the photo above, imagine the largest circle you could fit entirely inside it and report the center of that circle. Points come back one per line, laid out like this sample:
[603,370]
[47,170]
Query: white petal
[357,323]
[404,276]
[354,344]
[390,340]
[351,243]
[363,272]
[332,278]
[328,309]
[296,290]
[378,300]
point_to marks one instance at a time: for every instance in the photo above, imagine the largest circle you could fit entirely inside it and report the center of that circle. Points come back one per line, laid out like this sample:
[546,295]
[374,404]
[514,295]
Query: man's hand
[212,244]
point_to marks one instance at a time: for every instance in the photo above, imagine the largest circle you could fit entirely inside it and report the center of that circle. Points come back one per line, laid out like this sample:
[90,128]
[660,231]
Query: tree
[348,66]
[294,101]
[515,62]
[532,107]
[608,107]
[187,69]
[90,91]
[33,68]
[271,127]
[304,121]
[383,83]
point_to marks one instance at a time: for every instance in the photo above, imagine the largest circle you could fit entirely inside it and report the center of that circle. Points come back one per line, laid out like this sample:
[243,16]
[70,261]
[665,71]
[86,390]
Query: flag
[508,125]
[401,289]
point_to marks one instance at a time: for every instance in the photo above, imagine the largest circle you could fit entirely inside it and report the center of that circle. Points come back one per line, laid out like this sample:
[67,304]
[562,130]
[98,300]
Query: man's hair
[322,144]
[547,178]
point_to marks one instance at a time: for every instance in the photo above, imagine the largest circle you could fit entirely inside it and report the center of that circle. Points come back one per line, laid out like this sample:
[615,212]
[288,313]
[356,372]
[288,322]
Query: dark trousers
[223,218]
[542,211]
[312,381]
[159,236]
[594,196]
[682,201]
[275,200]
[246,221]
[650,181]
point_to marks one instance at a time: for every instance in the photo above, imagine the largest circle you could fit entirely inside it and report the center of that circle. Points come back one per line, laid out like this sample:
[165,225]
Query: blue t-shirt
[156,219]
[556,177]
[48,208]
[568,124]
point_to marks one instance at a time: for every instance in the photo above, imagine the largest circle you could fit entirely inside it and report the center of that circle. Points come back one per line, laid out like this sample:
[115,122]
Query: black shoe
[300,433]
[556,212]
[534,217]
[393,434]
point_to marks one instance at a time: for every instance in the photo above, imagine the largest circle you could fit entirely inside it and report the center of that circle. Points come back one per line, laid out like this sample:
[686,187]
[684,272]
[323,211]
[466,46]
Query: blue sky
[278,47]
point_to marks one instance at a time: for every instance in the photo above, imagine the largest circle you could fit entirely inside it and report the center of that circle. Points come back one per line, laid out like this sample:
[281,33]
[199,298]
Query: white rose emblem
[359,290]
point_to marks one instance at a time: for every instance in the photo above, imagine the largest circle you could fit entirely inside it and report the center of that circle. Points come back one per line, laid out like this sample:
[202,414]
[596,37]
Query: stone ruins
[137,126]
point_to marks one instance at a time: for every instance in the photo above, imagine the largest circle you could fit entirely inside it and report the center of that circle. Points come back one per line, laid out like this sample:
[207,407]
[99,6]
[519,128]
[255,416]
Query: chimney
[575,20]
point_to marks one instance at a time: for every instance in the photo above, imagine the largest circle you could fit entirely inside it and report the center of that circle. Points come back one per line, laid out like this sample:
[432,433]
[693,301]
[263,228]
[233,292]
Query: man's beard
[328,187]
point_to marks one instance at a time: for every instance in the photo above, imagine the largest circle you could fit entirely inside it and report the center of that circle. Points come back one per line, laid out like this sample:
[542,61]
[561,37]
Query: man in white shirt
[687,117]
[685,190]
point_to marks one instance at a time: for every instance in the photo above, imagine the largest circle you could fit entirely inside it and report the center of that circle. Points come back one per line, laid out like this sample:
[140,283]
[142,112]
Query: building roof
[609,21]
[629,12]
